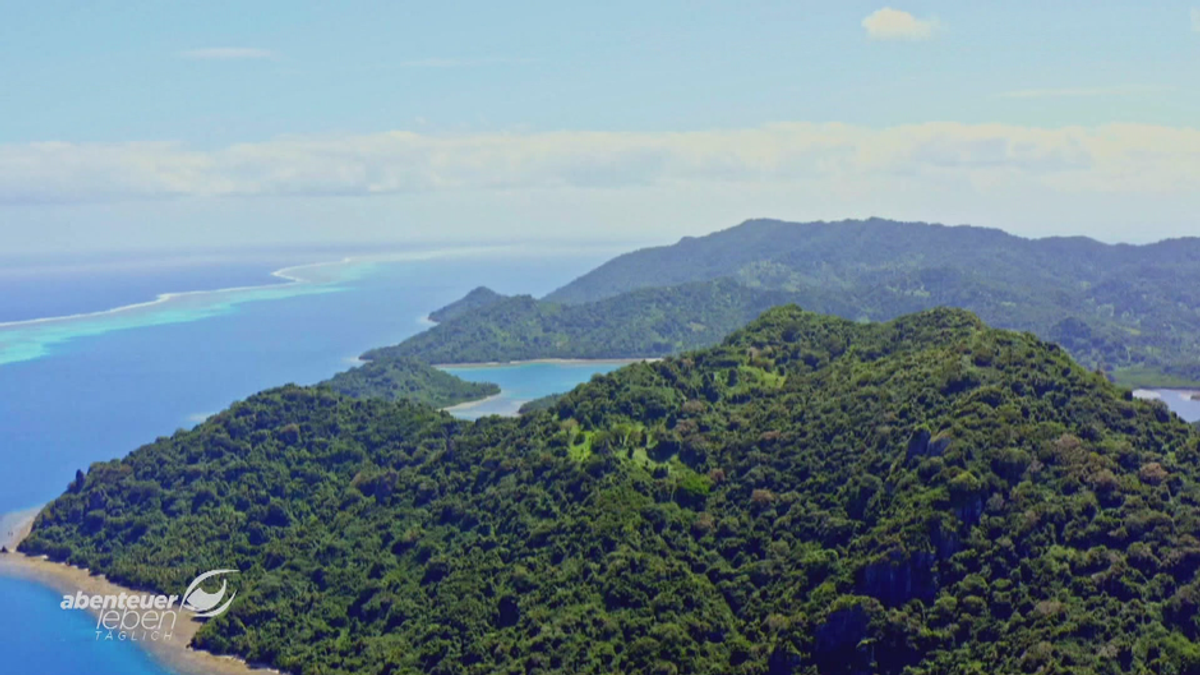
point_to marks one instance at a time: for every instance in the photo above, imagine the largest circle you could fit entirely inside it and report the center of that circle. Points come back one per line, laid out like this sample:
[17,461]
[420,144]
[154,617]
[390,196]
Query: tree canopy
[1132,311]
[397,378]
[813,495]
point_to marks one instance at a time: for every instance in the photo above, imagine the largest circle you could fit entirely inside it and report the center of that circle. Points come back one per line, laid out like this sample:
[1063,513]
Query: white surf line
[284,273]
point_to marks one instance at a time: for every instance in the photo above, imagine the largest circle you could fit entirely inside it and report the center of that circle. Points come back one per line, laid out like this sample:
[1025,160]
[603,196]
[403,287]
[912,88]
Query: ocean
[96,385]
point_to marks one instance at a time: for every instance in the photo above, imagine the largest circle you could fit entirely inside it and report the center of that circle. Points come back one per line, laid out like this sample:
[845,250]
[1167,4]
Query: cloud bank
[1117,158]
[894,24]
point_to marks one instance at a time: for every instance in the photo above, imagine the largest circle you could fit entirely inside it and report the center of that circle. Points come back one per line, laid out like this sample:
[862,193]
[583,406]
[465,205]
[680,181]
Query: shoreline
[481,365]
[175,655]
[467,405]
[1186,393]
[561,362]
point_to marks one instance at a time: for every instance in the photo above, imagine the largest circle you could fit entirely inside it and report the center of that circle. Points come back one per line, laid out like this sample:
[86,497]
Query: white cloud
[1077,92]
[1196,20]
[894,24]
[1110,159]
[227,53]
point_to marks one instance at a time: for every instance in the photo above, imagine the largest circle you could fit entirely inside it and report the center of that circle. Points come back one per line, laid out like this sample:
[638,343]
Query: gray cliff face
[899,576]
[839,640]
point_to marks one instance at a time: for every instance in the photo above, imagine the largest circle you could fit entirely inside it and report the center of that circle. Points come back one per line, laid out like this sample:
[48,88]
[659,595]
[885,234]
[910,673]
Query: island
[811,494]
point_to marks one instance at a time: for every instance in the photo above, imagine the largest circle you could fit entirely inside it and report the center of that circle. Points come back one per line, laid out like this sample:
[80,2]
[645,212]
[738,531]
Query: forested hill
[813,496]
[1130,310]
[781,253]
[477,299]
[649,322]
[402,378]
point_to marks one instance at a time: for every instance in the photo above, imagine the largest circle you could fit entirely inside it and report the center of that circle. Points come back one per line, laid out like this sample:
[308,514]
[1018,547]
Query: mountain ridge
[1130,310]
[578,291]
[649,322]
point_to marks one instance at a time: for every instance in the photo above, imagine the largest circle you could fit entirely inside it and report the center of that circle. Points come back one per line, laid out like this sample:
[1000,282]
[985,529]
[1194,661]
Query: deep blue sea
[96,385]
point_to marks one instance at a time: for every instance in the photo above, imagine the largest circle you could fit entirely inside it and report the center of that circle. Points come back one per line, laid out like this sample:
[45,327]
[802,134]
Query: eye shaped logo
[202,602]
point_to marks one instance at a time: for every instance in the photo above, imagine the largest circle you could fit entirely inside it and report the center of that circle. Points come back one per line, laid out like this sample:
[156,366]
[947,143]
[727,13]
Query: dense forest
[814,495]
[1133,311]
[396,378]
[541,403]
[649,322]
[477,299]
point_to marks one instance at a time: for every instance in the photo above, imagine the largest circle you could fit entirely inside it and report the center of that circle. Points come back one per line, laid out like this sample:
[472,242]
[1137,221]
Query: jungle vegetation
[1131,311]
[542,403]
[396,378]
[477,299]
[813,495]
[649,322]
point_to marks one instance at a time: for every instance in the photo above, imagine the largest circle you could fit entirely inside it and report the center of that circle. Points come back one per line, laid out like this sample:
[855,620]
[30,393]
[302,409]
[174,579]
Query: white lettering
[111,620]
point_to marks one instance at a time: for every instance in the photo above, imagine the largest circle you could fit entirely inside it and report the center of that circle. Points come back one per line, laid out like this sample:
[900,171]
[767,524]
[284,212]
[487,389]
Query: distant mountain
[926,496]
[393,379]
[477,299]
[1131,310]
[647,322]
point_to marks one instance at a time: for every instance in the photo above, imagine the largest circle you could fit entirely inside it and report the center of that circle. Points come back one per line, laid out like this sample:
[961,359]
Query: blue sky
[165,124]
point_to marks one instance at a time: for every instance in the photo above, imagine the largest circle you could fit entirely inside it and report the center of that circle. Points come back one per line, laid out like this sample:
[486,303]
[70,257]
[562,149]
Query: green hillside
[539,404]
[400,378]
[925,496]
[1132,310]
[478,298]
[650,322]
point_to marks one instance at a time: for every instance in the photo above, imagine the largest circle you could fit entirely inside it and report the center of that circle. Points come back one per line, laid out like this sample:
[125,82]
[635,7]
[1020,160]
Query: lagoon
[1178,400]
[523,382]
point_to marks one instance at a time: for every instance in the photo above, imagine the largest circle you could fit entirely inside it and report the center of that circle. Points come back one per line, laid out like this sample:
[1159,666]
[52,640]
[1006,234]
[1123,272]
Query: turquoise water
[35,289]
[33,339]
[38,638]
[87,388]
[524,382]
